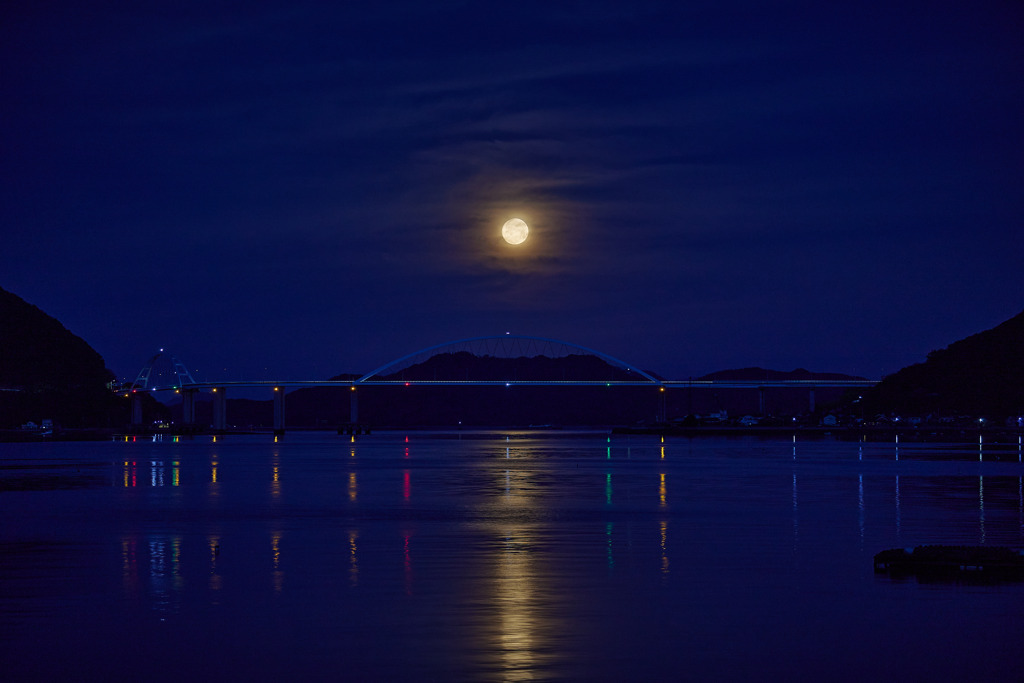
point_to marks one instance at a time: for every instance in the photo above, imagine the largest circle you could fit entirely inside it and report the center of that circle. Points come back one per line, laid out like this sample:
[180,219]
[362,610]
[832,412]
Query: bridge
[504,360]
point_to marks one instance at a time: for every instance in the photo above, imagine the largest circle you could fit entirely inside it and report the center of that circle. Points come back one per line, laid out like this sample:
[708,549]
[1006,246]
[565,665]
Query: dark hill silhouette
[40,354]
[46,372]
[981,375]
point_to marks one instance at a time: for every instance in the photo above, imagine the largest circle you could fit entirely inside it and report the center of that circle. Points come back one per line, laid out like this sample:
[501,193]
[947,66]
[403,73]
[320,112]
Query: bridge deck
[667,384]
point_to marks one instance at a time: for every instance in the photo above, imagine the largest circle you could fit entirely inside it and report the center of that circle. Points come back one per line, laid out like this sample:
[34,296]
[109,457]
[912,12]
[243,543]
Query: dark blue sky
[300,190]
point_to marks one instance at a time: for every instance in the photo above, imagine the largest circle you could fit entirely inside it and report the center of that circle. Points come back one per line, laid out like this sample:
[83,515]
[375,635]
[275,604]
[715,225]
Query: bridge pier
[220,409]
[136,403]
[278,410]
[353,429]
[811,410]
[353,426]
[761,401]
[188,407]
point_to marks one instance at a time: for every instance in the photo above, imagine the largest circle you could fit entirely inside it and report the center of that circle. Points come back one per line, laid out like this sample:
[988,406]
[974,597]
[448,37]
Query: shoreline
[875,434]
[928,433]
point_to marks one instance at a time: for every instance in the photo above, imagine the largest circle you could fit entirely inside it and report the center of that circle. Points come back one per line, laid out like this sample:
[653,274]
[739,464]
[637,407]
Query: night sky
[300,190]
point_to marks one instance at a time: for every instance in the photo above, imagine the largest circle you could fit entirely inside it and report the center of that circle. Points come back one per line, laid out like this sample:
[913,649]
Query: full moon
[515,231]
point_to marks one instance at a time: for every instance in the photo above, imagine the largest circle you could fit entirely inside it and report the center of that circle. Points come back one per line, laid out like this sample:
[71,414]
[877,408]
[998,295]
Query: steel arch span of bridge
[498,360]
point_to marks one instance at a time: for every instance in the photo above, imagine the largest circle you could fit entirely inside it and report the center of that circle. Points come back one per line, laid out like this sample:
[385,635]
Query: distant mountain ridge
[754,374]
[466,366]
[46,371]
[524,405]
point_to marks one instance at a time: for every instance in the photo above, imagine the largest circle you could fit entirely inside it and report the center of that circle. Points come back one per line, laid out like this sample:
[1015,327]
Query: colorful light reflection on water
[499,556]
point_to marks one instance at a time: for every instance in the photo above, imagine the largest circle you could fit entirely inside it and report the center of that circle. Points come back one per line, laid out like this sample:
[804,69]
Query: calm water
[499,556]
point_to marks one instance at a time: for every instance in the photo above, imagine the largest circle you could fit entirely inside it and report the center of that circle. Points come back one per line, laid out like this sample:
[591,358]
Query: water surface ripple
[499,556]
